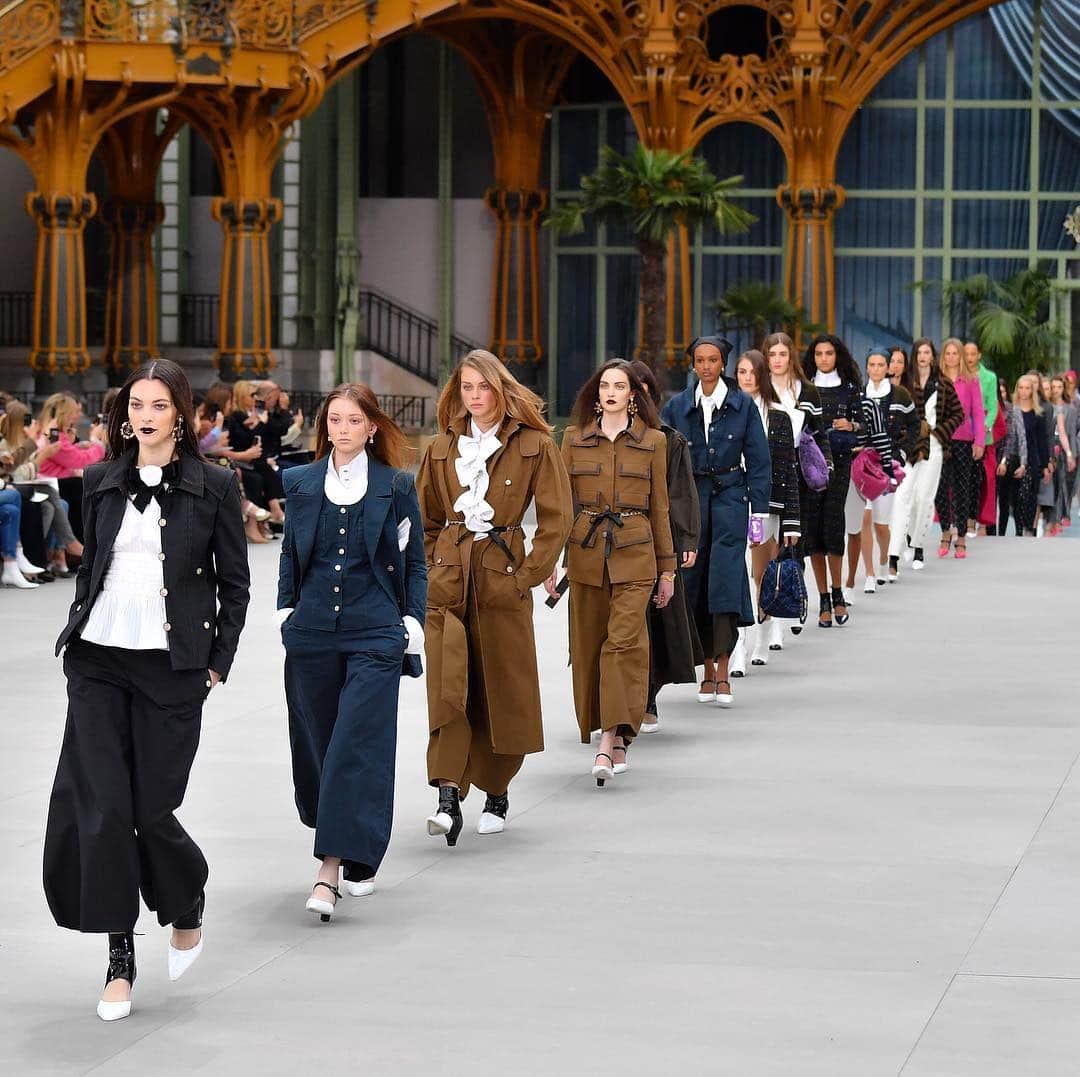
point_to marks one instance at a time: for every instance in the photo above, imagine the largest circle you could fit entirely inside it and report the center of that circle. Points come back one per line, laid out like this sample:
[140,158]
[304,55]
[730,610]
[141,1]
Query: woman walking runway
[351,596]
[620,542]
[160,601]
[493,456]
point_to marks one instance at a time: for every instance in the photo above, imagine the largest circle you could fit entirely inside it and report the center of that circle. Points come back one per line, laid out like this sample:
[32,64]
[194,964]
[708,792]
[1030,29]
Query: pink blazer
[970,392]
[70,458]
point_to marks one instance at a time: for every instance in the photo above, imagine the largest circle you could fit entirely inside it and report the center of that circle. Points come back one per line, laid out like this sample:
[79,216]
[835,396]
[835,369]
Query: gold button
[209,684]
[161,557]
[438,560]
[161,522]
[167,626]
[198,572]
[508,482]
[509,568]
[337,609]
[164,592]
[206,624]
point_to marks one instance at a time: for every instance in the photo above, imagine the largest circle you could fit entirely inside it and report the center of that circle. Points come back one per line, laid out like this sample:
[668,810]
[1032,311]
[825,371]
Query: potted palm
[652,192]
[758,308]
[1012,319]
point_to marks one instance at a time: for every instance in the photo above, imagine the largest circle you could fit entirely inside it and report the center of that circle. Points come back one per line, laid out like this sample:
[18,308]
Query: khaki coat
[492,589]
[626,476]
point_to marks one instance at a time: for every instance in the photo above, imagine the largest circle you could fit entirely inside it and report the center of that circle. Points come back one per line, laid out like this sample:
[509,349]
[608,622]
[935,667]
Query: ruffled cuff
[416,635]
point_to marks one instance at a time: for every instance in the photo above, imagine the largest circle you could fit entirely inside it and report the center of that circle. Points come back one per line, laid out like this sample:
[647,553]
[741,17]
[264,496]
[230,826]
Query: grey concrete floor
[868,866]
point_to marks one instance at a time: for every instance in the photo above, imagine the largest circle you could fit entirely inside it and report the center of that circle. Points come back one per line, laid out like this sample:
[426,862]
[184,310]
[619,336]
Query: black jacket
[204,559]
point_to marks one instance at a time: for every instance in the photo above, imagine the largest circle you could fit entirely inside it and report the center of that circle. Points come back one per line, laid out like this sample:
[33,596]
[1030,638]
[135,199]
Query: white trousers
[903,505]
[927,480]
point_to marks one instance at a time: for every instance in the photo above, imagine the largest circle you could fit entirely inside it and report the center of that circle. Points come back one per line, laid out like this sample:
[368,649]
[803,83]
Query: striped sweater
[950,413]
[891,426]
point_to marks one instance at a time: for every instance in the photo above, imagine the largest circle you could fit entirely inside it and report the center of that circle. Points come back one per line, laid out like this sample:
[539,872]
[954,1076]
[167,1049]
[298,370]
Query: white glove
[282,615]
[416,634]
[404,529]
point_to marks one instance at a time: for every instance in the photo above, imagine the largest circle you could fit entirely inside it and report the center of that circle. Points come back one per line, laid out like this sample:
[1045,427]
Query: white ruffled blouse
[130,610]
[471,466]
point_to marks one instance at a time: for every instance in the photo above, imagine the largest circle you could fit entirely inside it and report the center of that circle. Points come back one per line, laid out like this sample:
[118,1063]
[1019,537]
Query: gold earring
[178,430]
[127,431]
[598,408]
[631,408]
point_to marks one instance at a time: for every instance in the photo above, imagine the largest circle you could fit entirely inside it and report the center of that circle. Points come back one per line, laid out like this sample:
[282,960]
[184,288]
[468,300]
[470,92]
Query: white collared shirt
[347,485]
[712,402]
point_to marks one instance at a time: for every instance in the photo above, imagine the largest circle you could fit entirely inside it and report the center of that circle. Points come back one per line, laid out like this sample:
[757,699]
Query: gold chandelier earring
[127,431]
[598,408]
[178,430]
[631,408]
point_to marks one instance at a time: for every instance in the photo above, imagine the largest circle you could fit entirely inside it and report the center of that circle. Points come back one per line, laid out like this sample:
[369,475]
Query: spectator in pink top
[59,417]
[958,494]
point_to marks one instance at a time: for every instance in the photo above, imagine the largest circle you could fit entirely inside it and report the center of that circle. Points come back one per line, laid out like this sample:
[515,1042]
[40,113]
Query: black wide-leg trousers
[132,731]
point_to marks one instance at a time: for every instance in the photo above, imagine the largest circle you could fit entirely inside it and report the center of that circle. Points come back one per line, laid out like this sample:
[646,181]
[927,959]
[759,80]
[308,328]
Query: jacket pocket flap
[631,536]
[633,472]
[440,447]
[582,467]
[625,500]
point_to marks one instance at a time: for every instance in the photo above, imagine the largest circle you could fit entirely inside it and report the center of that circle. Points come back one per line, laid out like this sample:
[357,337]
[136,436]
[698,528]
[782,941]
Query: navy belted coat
[727,490]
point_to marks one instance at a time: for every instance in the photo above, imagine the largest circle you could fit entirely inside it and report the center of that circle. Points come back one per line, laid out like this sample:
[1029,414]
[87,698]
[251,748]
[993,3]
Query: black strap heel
[838,603]
[824,619]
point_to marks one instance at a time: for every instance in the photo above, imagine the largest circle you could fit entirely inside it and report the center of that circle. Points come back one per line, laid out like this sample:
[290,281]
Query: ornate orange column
[809,264]
[58,339]
[244,325]
[132,150]
[519,72]
[245,129]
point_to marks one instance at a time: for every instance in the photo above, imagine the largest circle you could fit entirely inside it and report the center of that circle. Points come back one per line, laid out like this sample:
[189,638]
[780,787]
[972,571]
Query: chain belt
[614,519]
[495,534]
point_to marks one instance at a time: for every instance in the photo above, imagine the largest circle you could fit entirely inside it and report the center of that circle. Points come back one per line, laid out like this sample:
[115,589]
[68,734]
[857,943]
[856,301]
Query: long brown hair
[585,405]
[796,370]
[761,372]
[649,380]
[172,376]
[11,424]
[389,445]
[511,397]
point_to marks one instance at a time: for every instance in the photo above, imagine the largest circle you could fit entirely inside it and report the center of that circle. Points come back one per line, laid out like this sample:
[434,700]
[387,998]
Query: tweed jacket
[950,413]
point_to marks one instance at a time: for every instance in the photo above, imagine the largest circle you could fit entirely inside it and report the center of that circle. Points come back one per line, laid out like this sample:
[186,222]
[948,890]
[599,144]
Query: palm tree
[651,192]
[1011,319]
[760,308]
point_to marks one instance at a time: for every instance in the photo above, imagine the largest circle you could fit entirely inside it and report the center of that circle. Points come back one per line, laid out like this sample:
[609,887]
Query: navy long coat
[727,490]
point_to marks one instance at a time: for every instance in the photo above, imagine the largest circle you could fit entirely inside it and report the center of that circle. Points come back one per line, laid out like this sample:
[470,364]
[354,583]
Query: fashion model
[160,601]
[674,648]
[828,363]
[784,521]
[620,542]
[493,456]
[351,595]
[730,454]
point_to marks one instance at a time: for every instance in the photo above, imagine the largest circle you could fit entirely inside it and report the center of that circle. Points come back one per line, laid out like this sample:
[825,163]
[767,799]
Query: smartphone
[28,419]
[54,435]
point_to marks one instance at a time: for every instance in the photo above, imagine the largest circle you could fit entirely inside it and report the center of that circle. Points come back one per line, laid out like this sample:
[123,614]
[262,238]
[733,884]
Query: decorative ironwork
[25,28]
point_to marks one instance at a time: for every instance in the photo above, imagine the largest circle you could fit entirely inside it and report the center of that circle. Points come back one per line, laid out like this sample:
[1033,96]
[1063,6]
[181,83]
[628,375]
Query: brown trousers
[460,751]
[609,653]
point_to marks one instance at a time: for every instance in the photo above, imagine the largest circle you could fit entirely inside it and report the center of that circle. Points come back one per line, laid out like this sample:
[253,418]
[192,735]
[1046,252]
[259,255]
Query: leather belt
[721,480]
[613,519]
[495,534]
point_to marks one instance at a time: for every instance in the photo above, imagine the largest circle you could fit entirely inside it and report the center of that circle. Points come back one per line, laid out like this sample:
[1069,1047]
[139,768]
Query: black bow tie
[148,482]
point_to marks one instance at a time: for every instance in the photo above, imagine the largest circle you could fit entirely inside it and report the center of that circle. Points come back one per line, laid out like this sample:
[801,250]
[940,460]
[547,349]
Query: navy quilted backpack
[783,590]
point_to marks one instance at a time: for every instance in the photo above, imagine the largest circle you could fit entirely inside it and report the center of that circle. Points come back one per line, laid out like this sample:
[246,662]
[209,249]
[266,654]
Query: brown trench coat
[527,466]
[627,475]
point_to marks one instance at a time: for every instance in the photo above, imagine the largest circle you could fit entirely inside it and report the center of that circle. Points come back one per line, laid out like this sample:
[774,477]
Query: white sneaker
[737,661]
[870,586]
[918,566]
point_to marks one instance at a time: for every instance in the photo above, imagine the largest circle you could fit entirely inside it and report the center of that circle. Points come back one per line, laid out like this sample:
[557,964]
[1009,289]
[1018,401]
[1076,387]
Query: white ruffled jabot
[471,466]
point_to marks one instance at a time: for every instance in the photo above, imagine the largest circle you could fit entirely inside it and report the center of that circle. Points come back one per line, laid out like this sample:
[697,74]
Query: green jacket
[989,383]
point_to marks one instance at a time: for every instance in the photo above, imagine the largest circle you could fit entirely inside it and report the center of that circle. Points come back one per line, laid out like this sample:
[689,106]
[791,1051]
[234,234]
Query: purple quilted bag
[812,462]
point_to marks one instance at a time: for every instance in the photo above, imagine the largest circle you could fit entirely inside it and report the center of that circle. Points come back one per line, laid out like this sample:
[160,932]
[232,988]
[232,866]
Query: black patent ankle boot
[499,805]
[447,819]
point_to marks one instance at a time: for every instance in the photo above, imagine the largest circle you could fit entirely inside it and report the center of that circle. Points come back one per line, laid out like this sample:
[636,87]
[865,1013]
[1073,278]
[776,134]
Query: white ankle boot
[25,566]
[12,577]
[757,644]
[737,661]
[776,634]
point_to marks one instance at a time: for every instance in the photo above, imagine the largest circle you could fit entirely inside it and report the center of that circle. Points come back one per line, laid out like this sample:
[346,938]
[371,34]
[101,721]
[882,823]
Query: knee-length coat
[727,490]
[495,587]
